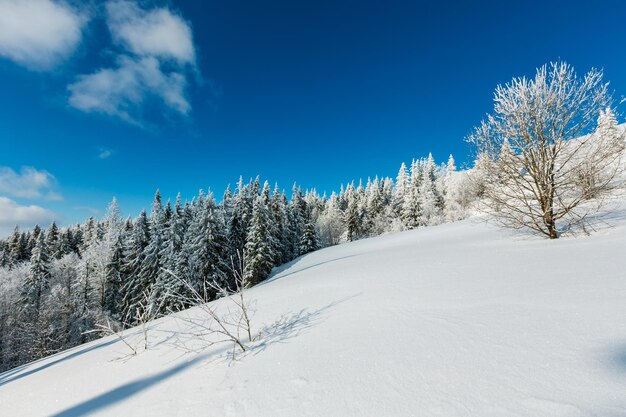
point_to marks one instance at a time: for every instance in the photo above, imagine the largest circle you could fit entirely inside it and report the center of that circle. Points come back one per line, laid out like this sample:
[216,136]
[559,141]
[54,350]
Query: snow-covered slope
[455,320]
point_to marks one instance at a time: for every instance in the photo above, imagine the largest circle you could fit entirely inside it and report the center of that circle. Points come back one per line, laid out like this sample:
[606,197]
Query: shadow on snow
[16,374]
[287,327]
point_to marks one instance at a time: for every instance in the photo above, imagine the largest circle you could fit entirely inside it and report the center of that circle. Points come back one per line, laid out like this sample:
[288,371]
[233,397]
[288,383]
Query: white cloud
[12,214]
[39,34]
[158,56]
[157,32]
[122,91]
[28,183]
[104,153]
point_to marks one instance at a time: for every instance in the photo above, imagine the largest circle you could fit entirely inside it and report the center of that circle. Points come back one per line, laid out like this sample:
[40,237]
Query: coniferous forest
[58,284]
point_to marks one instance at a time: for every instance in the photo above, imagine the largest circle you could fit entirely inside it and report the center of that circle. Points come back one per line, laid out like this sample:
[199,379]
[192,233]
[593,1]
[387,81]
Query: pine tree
[151,262]
[85,302]
[431,210]
[112,305]
[38,279]
[89,234]
[239,220]
[411,210]
[52,241]
[453,209]
[16,250]
[4,256]
[401,188]
[134,245]
[289,234]
[353,215]
[168,288]
[258,256]
[607,126]
[278,210]
[309,239]
[65,243]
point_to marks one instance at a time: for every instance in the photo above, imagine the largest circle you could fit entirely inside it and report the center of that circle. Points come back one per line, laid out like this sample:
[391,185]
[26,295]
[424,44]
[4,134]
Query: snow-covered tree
[548,122]
[309,238]
[431,202]
[330,224]
[37,280]
[152,262]
[258,255]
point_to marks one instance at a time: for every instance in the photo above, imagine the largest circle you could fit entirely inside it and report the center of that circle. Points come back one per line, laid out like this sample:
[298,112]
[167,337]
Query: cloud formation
[122,91]
[12,214]
[158,32]
[28,183]
[157,55]
[104,153]
[39,34]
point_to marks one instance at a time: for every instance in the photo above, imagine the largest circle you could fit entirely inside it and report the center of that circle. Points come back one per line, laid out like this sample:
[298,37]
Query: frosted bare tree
[545,166]
[218,322]
[145,312]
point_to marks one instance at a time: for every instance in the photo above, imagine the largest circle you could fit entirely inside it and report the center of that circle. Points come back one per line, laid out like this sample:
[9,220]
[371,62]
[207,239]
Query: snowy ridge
[453,320]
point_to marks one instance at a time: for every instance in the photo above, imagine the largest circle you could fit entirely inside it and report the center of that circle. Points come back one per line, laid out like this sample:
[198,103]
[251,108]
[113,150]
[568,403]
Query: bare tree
[145,312]
[544,165]
[226,320]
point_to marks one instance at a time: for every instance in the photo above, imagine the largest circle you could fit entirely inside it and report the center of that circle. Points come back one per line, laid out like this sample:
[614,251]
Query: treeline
[56,285]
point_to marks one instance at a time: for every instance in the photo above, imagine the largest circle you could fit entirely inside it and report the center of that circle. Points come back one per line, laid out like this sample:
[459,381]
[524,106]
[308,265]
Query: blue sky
[119,98]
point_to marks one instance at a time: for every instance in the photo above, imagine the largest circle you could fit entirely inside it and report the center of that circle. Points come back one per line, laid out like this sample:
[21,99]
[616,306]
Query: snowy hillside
[454,320]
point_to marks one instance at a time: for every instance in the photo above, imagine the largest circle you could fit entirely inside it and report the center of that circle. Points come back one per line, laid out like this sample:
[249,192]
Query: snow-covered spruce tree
[297,209]
[203,256]
[53,241]
[452,207]
[114,280]
[37,280]
[258,255]
[107,256]
[549,124]
[4,257]
[411,203]
[274,222]
[166,287]
[309,238]
[431,201]
[353,219]
[17,248]
[288,233]
[152,262]
[134,244]
[401,188]
[66,243]
[89,234]
[278,212]
[32,331]
[238,222]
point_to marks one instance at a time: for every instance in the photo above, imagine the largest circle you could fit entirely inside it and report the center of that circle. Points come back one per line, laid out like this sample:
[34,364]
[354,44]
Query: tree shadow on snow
[125,391]
[277,273]
[292,325]
[607,218]
[16,373]
[287,327]
[617,359]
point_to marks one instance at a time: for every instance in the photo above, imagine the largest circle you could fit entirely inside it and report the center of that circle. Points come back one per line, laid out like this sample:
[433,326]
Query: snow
[460,319]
